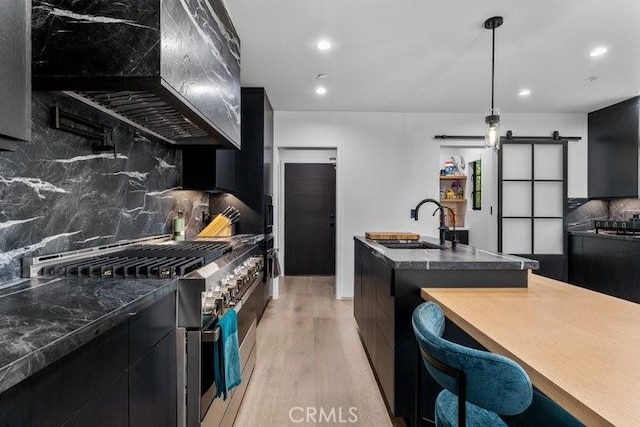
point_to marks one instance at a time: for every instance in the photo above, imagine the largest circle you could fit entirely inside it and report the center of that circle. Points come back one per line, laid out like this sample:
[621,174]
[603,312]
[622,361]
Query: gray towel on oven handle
[273,264]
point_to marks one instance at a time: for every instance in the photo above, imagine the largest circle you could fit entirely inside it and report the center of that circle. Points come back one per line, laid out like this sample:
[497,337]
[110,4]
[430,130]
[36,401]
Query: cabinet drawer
[386,326]
[148,327]
[384,367]
[604,245]
[383,284]
[109,409]
[153,386]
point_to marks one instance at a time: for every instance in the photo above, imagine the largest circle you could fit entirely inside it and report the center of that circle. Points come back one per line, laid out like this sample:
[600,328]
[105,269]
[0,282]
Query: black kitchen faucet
[442,228]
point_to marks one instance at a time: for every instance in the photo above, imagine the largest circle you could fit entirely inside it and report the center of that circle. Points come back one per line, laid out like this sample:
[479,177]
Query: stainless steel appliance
[229,283]
[631,227]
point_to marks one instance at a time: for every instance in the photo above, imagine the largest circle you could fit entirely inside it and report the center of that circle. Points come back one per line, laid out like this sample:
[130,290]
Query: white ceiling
[435,56]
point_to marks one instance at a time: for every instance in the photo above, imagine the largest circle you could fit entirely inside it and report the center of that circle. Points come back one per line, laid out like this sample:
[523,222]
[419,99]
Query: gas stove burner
[620,227]
[144,260]
[126,266]
[206,250]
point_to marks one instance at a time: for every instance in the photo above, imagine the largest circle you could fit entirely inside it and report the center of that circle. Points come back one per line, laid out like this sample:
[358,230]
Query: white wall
[386,163]
[481,223]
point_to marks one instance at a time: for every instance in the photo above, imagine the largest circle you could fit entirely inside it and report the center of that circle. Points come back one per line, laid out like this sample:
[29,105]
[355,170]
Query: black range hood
[169,67]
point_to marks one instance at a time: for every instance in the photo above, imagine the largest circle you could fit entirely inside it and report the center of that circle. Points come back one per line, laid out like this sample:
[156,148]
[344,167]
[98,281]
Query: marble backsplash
[582,212]
[57,195]
[624,209]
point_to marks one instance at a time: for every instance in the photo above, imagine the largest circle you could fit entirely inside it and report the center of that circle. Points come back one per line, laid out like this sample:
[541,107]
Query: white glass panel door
[516,236]
[548,199]
[516,161]
[548,161]
[549,236]
[518,197]
[532,192]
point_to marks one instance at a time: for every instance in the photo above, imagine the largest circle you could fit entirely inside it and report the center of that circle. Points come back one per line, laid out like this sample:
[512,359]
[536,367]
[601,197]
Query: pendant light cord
[493,61]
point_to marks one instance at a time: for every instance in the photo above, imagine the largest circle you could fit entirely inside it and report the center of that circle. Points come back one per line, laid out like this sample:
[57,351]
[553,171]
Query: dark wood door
[310,219]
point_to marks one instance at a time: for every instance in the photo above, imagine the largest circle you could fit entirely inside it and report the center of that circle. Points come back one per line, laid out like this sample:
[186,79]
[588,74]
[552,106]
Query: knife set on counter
[222,224]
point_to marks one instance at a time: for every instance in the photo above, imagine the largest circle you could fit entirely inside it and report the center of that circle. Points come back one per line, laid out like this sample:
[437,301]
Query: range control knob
[212,303]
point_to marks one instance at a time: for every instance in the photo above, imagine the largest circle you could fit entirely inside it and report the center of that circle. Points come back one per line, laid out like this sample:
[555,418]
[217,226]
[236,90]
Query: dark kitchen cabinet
[605,264]
[613,135]
[153,387]
[253,174]
[374,312]
[53,395]
[357,284]
[207,168]
[15,73]
[126,376]
[253,165]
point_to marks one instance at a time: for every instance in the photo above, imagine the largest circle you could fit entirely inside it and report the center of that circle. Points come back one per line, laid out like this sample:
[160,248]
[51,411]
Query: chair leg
[461,385]
[417,417]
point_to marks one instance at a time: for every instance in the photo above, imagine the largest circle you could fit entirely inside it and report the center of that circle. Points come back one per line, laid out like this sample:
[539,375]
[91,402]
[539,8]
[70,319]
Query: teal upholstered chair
[480,388]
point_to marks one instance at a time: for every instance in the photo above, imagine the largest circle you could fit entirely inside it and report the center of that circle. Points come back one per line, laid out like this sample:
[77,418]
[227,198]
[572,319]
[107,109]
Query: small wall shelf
[457,203]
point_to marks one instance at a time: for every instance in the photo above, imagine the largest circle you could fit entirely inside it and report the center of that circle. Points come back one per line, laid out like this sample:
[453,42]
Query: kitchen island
[387,285]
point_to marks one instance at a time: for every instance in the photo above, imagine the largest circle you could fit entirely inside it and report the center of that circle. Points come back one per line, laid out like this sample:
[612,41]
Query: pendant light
[492,120]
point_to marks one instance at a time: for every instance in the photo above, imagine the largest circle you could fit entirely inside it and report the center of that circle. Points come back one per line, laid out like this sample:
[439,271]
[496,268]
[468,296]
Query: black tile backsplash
[57,195]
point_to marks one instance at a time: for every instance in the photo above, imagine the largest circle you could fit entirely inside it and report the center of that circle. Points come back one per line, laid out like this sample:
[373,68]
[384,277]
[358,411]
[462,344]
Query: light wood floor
[310,356]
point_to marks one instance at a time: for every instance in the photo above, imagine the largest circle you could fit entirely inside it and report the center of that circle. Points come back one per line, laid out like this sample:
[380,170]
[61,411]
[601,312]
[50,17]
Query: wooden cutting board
[391,235]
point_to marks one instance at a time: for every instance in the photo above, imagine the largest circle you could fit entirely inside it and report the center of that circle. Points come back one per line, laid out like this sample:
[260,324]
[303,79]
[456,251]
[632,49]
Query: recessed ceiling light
[524,92]
[320,90]
[599,51]
[591,79]
[323,44]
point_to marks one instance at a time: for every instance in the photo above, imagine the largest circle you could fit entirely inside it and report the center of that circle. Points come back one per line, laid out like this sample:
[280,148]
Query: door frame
[307,155]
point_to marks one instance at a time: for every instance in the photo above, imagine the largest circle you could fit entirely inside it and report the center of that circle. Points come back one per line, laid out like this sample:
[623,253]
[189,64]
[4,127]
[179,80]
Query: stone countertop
[44,319]
[462,258]
[607,235]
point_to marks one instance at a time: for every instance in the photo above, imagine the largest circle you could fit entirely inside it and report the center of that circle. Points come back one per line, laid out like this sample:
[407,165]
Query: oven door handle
[211,335]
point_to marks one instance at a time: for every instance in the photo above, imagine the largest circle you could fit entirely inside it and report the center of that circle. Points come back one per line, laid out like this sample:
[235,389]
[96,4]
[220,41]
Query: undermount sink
[411,245]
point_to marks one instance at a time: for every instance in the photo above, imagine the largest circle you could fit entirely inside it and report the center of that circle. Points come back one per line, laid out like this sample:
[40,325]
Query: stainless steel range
[214,276]
[229,283]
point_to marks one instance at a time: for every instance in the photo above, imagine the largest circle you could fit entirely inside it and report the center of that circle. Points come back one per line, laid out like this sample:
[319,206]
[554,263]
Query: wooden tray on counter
[391,235]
